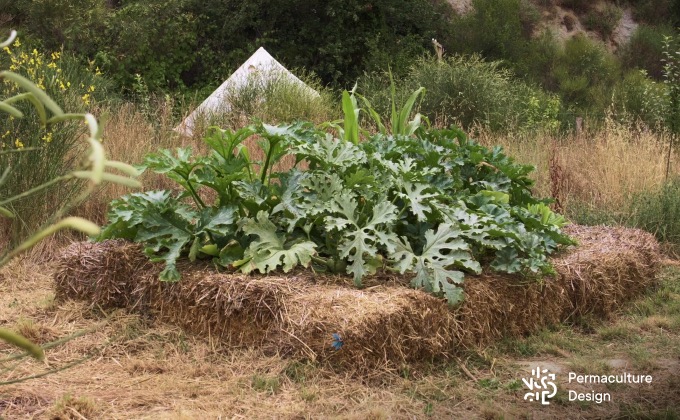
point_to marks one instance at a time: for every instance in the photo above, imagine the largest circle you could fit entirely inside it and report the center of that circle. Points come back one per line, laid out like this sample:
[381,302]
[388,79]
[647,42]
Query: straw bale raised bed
[386,323]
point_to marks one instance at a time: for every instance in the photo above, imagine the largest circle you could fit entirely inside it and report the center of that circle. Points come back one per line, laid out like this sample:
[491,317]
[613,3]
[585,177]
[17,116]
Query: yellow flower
[55,55]
[35,52]
[91,88]
[47,137]
[17,43]
[86,98]
[6,134]
[18,144]
[7,50]
[52,65]
[97,71]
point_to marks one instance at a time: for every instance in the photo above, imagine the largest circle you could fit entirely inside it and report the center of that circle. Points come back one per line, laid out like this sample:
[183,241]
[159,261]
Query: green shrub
[180,44]
[156,39]
[644,50]
[659,212]
[604,21]
[275,99]
[654,12]
[588,215]
[469,91]
[585,74]
[496,29]
[541,58]
[77,25]
[638,99]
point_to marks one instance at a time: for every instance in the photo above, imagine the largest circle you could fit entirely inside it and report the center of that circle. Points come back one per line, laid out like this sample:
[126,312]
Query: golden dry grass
[603,170]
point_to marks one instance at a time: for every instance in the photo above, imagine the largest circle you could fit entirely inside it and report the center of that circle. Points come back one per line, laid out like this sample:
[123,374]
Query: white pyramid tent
[259,67]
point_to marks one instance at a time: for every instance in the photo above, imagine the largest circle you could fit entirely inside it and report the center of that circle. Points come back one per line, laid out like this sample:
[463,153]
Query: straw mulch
[384,324]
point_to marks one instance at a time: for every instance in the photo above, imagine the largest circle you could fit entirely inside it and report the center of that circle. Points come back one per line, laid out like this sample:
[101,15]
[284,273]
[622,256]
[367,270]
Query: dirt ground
[122,366]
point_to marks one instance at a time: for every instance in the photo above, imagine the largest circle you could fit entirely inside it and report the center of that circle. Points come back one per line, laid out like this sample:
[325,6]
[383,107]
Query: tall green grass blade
[97,158]
[4,107]
[28,96]
[64,117]
[401,125]
[105,176]
[351,113]
[393,96]
[374,115]
[25,149]
[123,167]
[6,213]
[30,87]
[22,343]
[4,175]
[8,41]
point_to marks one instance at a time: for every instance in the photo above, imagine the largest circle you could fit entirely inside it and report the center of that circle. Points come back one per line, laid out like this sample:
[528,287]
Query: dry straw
[383,325]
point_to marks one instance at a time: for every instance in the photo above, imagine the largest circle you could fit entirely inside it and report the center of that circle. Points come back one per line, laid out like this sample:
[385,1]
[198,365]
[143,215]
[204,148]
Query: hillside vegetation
[583,51]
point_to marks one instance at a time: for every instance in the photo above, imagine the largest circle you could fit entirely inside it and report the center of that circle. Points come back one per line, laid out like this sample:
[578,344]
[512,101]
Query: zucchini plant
[428,202]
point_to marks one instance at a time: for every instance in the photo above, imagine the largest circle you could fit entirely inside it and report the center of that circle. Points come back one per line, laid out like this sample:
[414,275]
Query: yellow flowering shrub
[49,149]
[92,171]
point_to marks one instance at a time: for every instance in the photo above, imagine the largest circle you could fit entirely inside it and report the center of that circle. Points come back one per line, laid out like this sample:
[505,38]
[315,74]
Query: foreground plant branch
[94,171]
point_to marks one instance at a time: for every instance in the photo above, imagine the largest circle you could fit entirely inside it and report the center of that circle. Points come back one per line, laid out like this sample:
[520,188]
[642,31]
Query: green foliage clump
[177,44]
[273,97]
[638,99]
[76,25]
[471,92]
[604,20]
[585,74]
[156,39]
[659,212]
[654,12]
[496,29]
[644,50]
[435,204]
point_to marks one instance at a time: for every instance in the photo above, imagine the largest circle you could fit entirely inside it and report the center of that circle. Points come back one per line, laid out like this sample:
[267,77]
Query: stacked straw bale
[384,324]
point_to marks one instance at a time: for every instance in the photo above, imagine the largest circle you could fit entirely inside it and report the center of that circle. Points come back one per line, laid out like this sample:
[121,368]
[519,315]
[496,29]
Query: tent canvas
[260,65]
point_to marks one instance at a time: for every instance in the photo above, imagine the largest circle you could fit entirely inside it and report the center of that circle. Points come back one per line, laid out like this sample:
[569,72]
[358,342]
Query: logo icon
[541,385]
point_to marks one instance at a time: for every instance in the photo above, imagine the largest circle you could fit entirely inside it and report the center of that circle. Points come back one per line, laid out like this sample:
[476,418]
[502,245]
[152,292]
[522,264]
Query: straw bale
[385,324]
[102,273]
